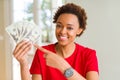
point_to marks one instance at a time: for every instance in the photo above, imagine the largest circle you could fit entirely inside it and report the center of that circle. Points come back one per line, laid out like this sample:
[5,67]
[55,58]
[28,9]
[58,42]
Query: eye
[58,26]
[70,28]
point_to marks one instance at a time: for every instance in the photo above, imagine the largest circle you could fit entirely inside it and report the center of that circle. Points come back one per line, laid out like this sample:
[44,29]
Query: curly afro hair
[73,9]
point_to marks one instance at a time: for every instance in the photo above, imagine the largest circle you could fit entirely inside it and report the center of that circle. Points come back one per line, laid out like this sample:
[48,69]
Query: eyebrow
[67,24]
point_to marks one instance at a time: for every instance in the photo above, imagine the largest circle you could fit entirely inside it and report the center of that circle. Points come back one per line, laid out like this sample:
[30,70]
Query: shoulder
[85,50]
[89,58]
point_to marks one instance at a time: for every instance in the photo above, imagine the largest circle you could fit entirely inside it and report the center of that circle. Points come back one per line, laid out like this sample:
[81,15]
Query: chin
[62,43]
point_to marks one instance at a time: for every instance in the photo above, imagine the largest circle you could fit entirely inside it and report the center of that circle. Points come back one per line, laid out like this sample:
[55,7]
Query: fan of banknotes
[23,30]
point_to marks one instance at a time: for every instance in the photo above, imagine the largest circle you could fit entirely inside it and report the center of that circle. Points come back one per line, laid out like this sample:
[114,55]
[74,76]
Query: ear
[79,31]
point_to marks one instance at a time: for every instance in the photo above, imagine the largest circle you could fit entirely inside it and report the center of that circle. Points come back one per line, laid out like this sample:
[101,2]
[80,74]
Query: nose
[63,31]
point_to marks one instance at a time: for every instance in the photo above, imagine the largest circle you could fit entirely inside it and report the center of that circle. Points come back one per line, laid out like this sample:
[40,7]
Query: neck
[65,51]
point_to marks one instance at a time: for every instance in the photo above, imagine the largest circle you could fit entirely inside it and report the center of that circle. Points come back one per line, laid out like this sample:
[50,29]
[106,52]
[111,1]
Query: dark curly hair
[73,9]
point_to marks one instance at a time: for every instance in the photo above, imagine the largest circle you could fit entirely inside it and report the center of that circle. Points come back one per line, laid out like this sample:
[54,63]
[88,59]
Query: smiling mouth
[63,38]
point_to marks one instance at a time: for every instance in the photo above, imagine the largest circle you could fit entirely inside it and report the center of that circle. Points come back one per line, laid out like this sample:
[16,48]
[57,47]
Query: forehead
[67,17]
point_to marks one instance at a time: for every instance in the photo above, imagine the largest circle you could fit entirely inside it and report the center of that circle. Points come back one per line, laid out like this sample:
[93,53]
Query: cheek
[56,31]
[73,34]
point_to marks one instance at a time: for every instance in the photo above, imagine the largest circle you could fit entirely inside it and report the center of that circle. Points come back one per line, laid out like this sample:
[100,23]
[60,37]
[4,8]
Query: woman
[65,59]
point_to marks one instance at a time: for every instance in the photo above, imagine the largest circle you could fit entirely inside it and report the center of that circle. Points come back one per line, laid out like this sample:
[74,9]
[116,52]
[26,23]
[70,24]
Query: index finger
[20,44]
[42,49]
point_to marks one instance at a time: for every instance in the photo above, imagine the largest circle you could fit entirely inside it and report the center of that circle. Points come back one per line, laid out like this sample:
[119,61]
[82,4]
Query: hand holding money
[23,34]
[21,50]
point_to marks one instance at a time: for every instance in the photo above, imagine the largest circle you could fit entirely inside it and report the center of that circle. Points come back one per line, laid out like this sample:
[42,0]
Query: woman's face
[67,27]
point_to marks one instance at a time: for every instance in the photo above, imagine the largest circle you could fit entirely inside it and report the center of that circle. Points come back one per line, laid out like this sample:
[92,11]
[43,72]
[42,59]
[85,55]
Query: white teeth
[63,37]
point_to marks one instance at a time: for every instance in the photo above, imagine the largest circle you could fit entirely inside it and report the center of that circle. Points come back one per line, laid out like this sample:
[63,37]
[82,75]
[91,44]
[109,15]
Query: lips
[63,38]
